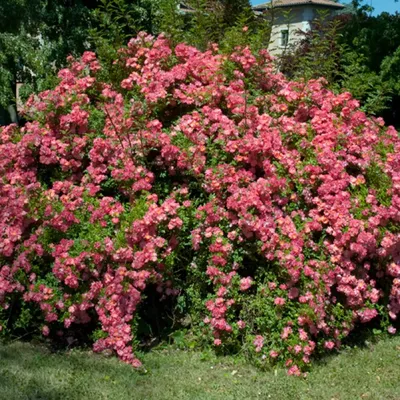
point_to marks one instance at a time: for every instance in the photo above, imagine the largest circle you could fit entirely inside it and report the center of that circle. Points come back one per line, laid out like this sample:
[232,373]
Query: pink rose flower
[293,293]
[294,370]
[241,324]
[279,301]
[392,330]
[329,345]
[245,283]
[259,343]
[273,354]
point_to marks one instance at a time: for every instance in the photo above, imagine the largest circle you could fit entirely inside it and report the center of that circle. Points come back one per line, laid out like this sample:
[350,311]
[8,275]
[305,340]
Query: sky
[379,5]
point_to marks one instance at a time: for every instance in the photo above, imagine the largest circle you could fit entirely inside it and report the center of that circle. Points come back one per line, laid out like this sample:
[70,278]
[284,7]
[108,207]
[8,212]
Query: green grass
[33,372]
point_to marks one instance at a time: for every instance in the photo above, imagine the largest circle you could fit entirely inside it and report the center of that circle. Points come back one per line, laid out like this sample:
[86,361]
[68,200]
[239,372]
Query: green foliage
[377,180]
[375,37]
[35,39]
[170,21]
[248,30]
[372,42]
[318,54]
[206,24]
[364,84]
[390,70]
[340,50]
[212,20]
[118,20]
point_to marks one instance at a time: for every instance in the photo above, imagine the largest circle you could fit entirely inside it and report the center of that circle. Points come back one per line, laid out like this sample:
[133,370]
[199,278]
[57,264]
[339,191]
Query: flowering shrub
[269,208]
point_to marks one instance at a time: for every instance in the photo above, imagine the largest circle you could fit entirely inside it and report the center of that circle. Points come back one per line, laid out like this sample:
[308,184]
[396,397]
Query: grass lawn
[33,372]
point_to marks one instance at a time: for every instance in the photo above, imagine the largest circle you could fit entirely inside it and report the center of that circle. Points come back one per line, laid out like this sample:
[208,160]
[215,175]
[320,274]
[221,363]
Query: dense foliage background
[356,51]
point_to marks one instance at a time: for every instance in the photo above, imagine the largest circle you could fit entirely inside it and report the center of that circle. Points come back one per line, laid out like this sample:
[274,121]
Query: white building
[288,17]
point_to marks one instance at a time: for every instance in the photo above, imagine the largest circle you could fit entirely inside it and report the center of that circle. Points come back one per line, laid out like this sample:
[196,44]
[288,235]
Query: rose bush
[269,208]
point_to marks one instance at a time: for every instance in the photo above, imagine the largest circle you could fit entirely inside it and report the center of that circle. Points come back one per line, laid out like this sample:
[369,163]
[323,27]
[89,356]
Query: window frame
[284,40]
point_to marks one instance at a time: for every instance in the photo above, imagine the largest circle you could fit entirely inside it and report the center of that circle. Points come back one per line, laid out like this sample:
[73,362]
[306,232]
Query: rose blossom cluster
[284,195]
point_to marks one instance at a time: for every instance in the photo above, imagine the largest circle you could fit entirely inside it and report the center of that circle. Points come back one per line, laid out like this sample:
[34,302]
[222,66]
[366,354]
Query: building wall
[292,20]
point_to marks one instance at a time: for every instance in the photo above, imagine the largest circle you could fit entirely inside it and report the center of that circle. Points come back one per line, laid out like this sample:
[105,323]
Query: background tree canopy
[356,52]
[36,36]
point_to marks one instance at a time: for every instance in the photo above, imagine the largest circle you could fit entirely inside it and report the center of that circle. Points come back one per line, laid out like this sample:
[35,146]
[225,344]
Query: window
[284,38]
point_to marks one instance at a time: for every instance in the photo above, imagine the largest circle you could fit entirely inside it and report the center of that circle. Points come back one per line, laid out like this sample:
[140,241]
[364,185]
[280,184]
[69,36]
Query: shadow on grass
[363,337]
[34,390]
[34,372]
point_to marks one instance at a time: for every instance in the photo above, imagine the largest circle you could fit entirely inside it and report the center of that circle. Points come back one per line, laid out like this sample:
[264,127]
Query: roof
[291,3]
[183,7]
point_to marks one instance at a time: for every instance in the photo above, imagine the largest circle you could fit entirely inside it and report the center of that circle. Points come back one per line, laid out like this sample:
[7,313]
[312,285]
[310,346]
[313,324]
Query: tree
[375,40]
[233,9]
[118,20]
[36,36]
